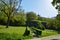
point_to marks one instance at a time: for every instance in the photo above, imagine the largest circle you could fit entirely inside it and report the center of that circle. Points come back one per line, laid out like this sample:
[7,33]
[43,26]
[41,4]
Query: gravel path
[54,37]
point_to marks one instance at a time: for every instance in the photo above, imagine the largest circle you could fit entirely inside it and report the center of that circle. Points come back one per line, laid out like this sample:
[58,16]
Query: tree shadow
[55,39]
[58,31]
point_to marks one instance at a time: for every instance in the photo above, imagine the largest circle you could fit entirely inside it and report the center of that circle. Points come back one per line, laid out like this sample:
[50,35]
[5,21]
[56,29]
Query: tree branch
[4,3]
[19,5]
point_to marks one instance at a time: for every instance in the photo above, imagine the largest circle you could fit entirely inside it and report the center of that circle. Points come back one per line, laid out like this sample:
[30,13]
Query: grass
[16,33]
[48,32]
[12,33]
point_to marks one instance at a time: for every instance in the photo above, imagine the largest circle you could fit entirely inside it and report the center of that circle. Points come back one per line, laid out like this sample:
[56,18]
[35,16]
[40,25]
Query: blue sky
[42,7]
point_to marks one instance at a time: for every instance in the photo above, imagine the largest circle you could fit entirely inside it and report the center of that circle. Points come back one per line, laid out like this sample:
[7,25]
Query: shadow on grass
[58,32]
[55,39]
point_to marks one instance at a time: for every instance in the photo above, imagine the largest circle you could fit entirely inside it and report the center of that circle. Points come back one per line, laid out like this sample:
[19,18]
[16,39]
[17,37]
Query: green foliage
[8,7]
[55,4]
[51,24]
[54,23]
[57,25]
[58,17]
[40,18]
[37,27]
[3,18]
[42,33]
[35,23]
[37,31]
[18,19]
[31,16]
[22,18]
[40,25]
[27,32]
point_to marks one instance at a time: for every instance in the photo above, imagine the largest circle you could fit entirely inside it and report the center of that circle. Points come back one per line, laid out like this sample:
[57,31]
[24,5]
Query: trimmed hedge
[36,24]
[38,32]
[27,32]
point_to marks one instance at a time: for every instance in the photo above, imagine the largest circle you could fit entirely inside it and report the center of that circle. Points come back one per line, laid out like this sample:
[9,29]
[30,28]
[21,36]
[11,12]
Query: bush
[40,25]
[57,24]
[38,32]
[27,32]
[53,24]
[36,24]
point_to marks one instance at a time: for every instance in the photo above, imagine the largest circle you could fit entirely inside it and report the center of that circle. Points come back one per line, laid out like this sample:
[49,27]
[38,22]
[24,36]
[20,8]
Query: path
[55,37]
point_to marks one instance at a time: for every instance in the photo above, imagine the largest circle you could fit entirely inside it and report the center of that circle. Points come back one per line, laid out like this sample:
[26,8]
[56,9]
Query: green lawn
[12,33]
[12,30]
[48,32]
[16,33]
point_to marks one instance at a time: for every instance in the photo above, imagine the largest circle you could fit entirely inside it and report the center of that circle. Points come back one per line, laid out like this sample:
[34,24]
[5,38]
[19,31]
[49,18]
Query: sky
[42,7]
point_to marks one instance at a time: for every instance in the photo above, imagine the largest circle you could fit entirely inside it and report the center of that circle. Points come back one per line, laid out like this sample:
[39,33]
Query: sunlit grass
[10,30]
[16,32]
[12,33]
[48,33]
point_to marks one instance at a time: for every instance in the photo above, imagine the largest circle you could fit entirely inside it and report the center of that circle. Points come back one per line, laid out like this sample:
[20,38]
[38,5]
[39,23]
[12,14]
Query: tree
[39,17]
[56,4]
[58,17]
[31,16]
[9,8]
[58,21]
[20,17]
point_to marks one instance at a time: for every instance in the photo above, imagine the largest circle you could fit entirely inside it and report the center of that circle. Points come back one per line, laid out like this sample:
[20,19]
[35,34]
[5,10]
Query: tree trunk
[8,22]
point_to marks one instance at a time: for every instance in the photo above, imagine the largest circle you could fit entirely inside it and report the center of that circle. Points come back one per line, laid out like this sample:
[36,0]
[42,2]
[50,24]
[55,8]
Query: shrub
[40,25]
[27,32]
[38,32]
[36,24]
[53,24]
